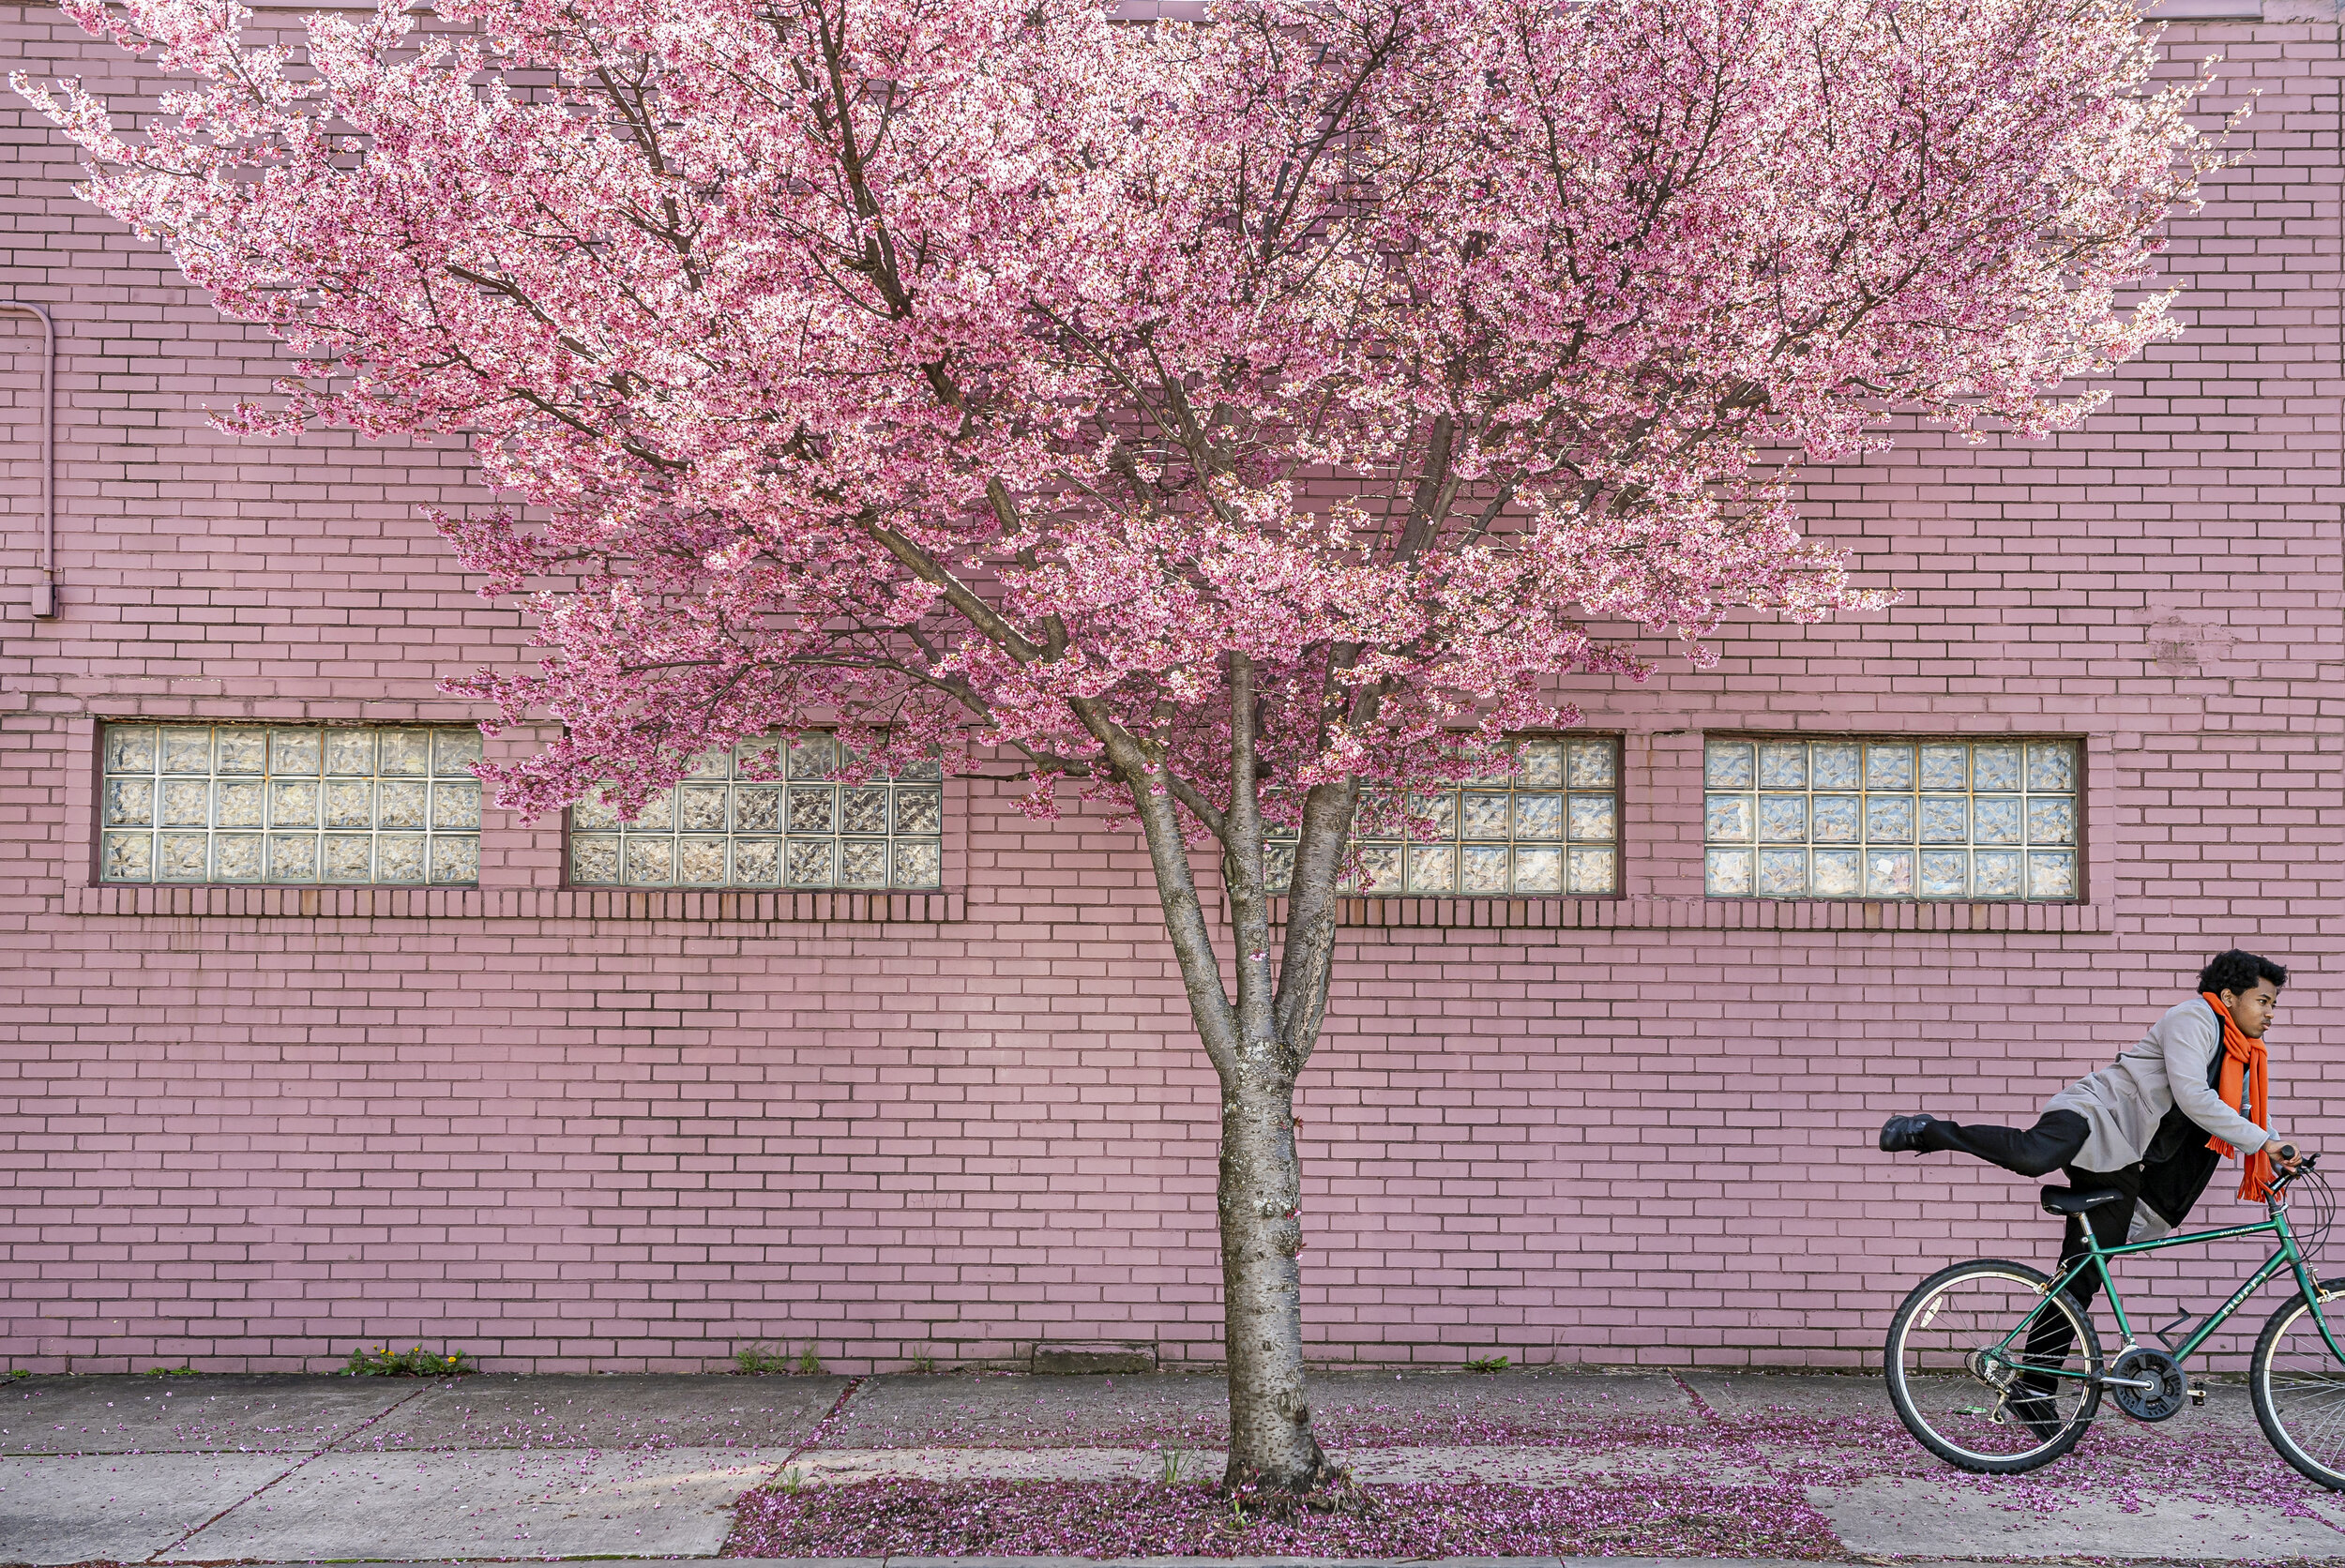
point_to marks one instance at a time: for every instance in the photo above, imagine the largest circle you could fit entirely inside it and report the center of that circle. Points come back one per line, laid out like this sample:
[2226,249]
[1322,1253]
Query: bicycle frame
[2285,1256]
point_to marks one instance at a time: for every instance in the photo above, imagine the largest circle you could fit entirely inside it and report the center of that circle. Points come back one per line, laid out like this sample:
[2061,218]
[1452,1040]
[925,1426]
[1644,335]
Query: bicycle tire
[1906,1396]
[2329,1396]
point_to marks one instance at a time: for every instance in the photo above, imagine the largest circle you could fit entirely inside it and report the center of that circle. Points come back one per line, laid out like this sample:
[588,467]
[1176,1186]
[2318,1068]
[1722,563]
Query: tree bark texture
[1261,1196]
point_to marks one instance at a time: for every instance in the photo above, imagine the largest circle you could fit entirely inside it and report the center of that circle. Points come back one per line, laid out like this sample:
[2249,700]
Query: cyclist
[2129,1127]
[2151,1126]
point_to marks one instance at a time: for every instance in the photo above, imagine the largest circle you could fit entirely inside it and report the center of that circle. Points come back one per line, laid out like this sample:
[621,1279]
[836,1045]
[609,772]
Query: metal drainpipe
[45,588]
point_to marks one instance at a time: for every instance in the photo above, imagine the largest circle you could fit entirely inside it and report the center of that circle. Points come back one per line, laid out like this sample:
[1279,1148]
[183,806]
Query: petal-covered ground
[1703,1465]
[1054,1518]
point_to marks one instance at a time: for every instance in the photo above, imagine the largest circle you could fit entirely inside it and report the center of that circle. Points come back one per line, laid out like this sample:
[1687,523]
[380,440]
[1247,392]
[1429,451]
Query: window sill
[740,907]
[1714,914]
[951,906]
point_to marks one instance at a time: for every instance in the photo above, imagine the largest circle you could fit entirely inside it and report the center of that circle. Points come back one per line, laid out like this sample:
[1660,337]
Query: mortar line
[330,1445]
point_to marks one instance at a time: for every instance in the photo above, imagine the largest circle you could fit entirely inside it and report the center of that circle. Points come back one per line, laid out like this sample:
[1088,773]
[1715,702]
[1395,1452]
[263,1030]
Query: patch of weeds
[1488,1364]
[182,1370]
[1169,1466]
[384,1362]
[792,1481]
[758,1358]
[13,1373]
[924,1362]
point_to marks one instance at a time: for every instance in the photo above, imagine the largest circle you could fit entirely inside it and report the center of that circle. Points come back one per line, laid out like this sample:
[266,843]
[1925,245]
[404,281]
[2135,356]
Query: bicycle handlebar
[2301,1167]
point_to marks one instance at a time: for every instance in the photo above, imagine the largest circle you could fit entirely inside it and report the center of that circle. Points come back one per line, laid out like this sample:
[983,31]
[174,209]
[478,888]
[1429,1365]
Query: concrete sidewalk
[304,1469]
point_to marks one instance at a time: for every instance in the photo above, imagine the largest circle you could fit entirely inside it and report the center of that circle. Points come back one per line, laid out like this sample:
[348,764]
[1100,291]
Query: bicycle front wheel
[2299,1390]
[1972,1360]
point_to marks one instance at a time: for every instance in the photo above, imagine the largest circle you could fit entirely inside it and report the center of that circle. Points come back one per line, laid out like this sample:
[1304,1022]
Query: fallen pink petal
[1045,1518]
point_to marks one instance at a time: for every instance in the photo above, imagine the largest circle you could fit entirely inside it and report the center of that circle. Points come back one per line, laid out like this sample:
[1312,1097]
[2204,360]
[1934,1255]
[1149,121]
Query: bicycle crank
[2147,1384]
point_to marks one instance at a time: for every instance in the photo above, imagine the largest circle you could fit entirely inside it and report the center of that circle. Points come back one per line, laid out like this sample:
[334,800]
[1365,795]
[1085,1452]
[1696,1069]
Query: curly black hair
[2237,971]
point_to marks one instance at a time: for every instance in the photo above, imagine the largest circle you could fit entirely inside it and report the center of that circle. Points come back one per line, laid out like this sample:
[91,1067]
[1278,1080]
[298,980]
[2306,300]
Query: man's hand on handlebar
[2284,1154]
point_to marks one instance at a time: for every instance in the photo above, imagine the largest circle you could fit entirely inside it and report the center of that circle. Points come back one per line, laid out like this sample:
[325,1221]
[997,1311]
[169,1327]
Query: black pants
[2057,1138]
[2170,1177]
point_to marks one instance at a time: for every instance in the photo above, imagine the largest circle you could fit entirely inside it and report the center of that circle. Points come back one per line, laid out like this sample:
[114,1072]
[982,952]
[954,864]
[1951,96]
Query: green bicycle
[1996,1369]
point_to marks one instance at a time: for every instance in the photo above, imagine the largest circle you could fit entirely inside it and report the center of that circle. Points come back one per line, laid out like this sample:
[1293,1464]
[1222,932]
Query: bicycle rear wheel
[2299,1390]
[1969,1362]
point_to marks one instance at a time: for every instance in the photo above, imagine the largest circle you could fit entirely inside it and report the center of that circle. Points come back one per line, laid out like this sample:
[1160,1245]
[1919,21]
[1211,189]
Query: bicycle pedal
[2198,1394]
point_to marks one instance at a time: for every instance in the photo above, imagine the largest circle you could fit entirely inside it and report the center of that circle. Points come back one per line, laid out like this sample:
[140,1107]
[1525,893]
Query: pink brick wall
[566,1130]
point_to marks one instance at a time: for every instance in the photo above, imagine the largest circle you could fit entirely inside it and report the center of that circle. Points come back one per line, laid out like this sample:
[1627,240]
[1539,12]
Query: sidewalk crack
[157,1555]
[1733,1440]
[819,1427]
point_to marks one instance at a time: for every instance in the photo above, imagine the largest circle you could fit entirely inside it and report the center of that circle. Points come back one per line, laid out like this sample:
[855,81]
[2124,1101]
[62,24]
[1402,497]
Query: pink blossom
[985,376]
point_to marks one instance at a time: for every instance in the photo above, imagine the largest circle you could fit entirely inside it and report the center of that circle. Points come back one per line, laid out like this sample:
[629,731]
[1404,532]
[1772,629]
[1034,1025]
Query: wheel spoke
[2300,1394]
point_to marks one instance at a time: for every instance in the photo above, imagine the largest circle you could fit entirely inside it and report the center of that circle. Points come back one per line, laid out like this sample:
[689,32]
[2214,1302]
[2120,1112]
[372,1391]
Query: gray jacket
[2124,1102]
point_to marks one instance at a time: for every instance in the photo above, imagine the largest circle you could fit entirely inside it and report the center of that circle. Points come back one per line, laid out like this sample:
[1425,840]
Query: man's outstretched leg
[2057,1138]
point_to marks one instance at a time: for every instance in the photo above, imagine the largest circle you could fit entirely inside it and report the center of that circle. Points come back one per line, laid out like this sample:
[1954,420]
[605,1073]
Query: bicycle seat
[2069,1200]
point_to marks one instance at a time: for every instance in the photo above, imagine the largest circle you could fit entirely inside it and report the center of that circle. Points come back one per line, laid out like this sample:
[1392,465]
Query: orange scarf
[2245,1062]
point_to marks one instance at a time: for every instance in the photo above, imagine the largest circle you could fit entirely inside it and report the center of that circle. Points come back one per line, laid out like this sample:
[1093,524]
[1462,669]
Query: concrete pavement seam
[156,1554]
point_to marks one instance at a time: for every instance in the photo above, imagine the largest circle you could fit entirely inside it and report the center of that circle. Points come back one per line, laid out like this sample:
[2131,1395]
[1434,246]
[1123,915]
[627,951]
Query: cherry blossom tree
[1240,418]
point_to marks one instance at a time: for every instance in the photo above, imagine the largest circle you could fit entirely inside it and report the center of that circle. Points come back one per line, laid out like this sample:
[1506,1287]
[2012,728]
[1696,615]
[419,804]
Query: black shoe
[1902,1132]
[2041,1416]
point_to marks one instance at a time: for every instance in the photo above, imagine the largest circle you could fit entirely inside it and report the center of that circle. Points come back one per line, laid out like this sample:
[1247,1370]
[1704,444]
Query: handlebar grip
[2288,1153]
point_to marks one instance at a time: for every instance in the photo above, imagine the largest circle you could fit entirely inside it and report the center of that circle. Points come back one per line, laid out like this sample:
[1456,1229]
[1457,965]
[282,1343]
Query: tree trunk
[1260,1195]
[1258,1042]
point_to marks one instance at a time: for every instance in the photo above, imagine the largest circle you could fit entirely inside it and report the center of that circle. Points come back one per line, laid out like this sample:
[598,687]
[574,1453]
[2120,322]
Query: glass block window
[721,827]
[1883,817]
[1551,828]
[260,803]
